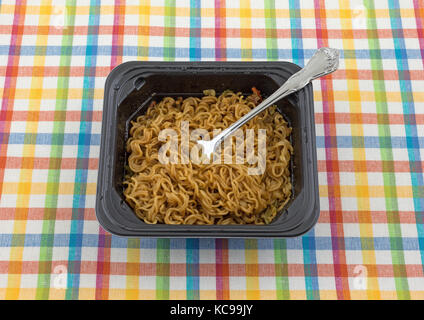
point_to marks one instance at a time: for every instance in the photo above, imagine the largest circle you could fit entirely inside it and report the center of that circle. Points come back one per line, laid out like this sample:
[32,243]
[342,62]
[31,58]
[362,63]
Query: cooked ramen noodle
[214,193]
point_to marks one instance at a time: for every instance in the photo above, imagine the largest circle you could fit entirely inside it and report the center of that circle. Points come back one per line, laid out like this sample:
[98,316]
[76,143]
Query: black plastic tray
[130,88]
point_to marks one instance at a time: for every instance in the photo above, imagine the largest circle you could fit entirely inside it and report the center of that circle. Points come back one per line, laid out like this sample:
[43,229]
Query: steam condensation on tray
[207,193]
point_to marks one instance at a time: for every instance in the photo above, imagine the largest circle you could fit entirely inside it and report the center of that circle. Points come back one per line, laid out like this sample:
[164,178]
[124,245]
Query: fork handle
[323,62]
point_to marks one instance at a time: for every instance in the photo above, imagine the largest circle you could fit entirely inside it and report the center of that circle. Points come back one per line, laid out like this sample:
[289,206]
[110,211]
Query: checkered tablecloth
[369,240]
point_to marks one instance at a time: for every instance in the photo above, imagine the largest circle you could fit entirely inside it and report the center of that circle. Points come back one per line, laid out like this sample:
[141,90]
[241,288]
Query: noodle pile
[207,193]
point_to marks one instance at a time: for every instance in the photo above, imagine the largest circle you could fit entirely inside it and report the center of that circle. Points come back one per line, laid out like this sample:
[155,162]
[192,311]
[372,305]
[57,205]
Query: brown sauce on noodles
[207,193]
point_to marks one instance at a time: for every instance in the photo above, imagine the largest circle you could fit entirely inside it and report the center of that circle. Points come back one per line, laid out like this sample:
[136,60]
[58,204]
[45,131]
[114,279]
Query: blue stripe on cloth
[321,243]
[412,140]
[370,142]
[308,240]
[195,50]
[342,141]
[47,138]
[232,53]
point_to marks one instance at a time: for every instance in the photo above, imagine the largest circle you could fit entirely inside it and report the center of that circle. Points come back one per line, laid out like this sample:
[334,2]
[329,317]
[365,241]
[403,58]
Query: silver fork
[323,62]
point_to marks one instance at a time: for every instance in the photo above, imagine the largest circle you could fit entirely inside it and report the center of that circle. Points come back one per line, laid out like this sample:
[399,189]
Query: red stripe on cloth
[64,214]
[103,265]
[43,163]
[49,115]
[369,118]
[332,165]
[38,214]
[105,238]
[118,31]
[210,32]
[325,270]
[405,217]
[369,165]
[222,269]
[220,31]
[220,53]
[10,73]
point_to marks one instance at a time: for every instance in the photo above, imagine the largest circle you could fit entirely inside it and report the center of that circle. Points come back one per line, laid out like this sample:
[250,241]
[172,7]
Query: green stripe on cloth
[162,268]
[169,31]
[271,31]
[386,152]
[280,245]
[163,245]
[281,269]
[49,217]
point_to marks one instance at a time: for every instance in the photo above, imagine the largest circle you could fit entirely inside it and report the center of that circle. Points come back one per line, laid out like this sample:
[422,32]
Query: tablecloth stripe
[357,130]
[408,104]
[208,10]
[104,252]
[143,30]
[9,90]
[195,30]
[54,162]
[410,127]
[116,59]
[389,178]
[25,179]
[272,51]
[250,245]
[281,269]
[245,30]
[308,241]
[222,269]
[251,269]
[343,142]
[374,288]
[163,245]
[10,82]
[133,269]
[192,245]
[169,32]
[133,51]
[163,268]
[234,54]
[134,279]
[410,243]
[419,17]
[192,265]
[220,31]
[25,176]
[331,165]
[222,272]
[83,151]
[15,267]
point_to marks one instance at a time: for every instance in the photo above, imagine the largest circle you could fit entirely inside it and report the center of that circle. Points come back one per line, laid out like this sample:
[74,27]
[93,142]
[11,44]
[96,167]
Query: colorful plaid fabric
[369,241]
